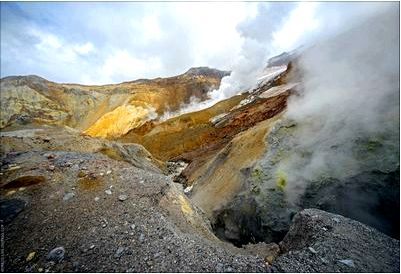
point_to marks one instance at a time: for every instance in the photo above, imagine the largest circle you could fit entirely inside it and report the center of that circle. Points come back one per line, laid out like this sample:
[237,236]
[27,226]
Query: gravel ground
[104,216]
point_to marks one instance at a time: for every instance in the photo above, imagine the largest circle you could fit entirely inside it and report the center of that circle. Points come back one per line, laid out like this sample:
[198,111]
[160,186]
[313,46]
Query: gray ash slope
[108,215]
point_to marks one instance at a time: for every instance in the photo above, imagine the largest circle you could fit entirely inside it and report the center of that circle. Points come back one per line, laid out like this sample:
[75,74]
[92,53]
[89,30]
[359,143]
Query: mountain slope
[96,109]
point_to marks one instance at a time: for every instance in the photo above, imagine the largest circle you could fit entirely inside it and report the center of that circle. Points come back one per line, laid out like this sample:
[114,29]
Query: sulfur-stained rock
[267,251]
[33,100]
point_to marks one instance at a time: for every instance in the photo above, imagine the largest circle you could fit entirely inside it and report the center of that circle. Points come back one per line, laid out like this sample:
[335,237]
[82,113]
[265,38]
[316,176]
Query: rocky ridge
[107,111]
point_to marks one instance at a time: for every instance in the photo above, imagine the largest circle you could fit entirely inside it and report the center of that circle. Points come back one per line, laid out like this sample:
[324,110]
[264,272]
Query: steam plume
[257,34]
[351,97]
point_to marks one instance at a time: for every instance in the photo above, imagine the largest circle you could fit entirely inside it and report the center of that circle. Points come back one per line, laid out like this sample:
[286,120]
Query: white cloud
[52,47]
[122,41]
[84,48]
[47,40]
[123,65]
[151,29]
[212,31]
[115,42]
[300,21]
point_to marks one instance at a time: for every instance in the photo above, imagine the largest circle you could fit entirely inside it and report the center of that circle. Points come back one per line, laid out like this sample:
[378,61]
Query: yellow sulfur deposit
[281,179]
[121,120]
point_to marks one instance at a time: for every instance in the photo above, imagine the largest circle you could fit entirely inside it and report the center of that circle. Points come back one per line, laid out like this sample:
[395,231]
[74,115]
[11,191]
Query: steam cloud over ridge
[350,102]
[279,27]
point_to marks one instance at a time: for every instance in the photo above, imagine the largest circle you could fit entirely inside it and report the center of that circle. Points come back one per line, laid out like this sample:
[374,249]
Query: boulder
[319,241]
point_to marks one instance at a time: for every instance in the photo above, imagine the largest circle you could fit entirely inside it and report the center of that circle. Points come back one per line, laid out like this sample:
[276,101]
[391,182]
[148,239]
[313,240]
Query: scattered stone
[132,226]
[347,262]
[311,249]
[336,220]
[101,173]
[123,197]
[324,260]
[97,199]
[81,174]
[50,156]
[75,265]
[119,252]
[68,196]
[188,189]
[92,247]
[40,269]
[108,191]
[108,172]
[21,189]
[11,192]
[269,259]
[104,225]
[56,255]
[51,168]
[141,238]
[30,256]
[13,167]
[219,267]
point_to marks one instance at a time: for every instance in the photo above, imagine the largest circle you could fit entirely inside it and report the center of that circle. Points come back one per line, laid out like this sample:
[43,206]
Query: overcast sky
[110,42]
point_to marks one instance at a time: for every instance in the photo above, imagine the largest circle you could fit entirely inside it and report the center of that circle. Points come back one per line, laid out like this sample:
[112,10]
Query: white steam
[351,94]
[278,27]
[195,104]
[258,34]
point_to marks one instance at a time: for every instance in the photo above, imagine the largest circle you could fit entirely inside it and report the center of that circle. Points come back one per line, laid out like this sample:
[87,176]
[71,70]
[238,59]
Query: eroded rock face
[226,176]
[323,242]
[369,194]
